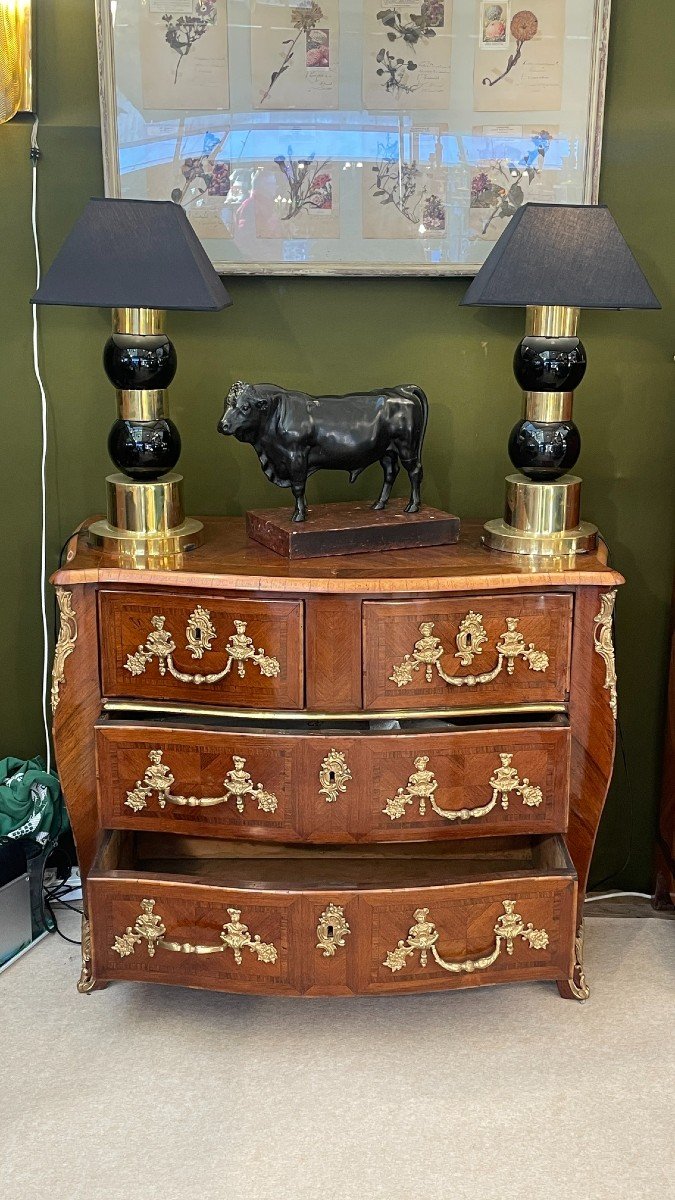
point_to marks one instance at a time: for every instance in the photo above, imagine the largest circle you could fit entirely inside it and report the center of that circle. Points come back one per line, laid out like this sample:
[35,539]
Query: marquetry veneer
[369,774]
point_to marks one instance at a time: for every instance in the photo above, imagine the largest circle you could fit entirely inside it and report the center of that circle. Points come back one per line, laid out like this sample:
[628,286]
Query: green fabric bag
[31,802]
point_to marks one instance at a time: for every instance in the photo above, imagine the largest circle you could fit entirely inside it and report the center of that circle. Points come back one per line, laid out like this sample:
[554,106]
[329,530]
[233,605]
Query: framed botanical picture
[347,137]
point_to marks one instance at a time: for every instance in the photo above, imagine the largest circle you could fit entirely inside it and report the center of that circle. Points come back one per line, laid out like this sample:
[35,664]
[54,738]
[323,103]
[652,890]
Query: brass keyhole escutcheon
[334,775]
[331,930]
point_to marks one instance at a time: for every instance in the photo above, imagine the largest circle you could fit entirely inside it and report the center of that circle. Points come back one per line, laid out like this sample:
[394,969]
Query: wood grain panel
[462,762]
[333,653]
[391,629]
[274,626]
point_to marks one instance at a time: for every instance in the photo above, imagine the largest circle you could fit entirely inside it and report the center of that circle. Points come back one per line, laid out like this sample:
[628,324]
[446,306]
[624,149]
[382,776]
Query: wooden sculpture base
[351,528]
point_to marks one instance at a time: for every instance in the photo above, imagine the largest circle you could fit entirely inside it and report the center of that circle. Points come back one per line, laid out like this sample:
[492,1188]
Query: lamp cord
[35,158]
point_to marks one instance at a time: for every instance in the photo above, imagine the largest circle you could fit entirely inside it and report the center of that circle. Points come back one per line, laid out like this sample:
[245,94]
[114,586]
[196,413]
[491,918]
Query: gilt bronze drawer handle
[331,930]
[199,634]
[422,784]
[150,928]
[423,936]
[428,652]
[158,778]
[334,775]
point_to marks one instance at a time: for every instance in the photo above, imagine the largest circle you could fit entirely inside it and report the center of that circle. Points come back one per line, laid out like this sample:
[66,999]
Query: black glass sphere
[546,364]
[133,361]
[544,450]
[144,449]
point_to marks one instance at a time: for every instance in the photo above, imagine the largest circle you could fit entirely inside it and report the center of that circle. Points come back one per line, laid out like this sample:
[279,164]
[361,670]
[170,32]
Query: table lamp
[138,257]
[553,260]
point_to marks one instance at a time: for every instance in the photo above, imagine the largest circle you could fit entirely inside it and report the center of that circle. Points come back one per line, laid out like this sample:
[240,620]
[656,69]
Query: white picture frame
[339,137]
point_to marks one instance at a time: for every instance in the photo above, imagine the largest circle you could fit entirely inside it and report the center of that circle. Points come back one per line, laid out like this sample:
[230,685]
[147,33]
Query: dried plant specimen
[524,26]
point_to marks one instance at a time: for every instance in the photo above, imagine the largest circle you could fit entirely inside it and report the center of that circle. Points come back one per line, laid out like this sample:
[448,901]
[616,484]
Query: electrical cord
[616,896]
[55,895]
[35,158]
[50,910]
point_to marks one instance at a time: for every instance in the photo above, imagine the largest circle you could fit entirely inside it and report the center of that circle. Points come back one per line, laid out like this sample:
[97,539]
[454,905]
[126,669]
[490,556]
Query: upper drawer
[454,653]
[205,649]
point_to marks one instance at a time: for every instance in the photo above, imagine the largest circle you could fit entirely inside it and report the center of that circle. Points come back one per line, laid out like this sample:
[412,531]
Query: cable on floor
[616,896]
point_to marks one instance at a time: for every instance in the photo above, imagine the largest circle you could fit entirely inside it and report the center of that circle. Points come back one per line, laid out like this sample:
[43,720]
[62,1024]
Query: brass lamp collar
[551,320]
[137,320]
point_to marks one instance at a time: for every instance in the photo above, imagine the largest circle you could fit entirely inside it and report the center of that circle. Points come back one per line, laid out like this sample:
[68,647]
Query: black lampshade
[133,254]
[562,254]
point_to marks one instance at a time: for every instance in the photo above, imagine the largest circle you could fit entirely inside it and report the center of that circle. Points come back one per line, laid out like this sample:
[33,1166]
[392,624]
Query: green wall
[338,334]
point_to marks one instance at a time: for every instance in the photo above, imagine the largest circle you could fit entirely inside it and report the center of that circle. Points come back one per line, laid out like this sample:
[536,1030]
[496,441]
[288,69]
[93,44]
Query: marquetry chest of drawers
[374,774]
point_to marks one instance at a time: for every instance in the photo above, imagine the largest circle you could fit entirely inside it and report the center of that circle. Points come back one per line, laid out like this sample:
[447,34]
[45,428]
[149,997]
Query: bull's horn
[237,388]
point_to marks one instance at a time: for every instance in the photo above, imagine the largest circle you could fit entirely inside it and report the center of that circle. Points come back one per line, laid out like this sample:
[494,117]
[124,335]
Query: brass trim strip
[145,404]
[261,714]
[548,406]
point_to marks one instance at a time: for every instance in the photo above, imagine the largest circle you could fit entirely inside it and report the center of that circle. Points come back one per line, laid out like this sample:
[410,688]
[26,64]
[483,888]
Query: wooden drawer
[446,782]
[206,649]
[456,652]
[335,922]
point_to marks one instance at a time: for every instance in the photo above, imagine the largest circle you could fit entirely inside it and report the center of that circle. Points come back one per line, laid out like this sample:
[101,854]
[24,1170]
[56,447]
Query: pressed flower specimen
[394,70]
[433,213]
[504,199]
[211,177]
[433,12]
[182,32]
[309,184]
[524,26]
[403,185]
[304,19]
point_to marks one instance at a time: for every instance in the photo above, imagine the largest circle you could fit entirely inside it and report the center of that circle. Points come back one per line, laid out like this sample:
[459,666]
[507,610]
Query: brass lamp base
[541,519]
[146,519]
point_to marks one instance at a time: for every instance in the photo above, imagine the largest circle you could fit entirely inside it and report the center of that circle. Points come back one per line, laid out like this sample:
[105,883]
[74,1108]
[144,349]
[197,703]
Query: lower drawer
[449,781]
[241,918]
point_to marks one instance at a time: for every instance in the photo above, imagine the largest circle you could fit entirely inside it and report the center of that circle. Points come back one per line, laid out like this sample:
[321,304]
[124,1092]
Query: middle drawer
[338,786]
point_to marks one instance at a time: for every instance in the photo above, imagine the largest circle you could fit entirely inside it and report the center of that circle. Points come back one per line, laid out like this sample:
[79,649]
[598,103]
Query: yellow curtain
[14,18]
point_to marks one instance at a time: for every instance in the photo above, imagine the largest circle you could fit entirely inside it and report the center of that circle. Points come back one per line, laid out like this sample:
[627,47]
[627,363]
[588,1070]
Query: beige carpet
[140,1092]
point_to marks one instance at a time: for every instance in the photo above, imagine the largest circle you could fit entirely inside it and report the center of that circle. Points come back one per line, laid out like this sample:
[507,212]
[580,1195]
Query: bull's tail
[424,405]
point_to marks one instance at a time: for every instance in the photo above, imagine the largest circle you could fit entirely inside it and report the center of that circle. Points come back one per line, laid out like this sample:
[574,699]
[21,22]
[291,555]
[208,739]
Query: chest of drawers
[373,774]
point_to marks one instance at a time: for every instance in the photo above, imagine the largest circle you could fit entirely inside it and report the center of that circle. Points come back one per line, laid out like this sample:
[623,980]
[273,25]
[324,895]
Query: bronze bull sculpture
[295,434]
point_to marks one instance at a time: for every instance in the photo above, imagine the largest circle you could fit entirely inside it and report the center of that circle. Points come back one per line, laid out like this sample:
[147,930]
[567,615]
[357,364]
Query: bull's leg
[414,469]
[391,466]
[300,511]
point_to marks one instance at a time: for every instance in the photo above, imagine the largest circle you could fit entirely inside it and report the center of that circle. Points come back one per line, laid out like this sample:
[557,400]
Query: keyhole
[331,776]
[329,932]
